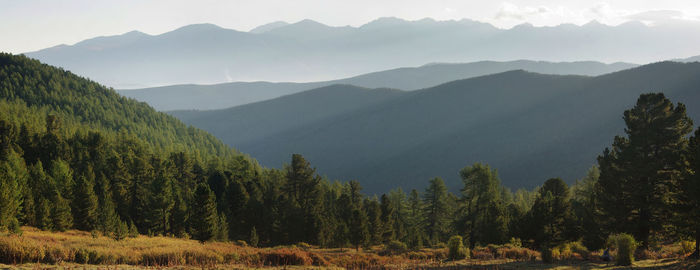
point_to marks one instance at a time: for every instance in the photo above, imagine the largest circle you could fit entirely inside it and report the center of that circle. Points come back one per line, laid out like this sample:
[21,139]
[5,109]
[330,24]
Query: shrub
[394,247]
[482,253]
[515,242]
[625,246]
[687,247]
[285,256]
[517,253]
[241,243]
[579,248]
[457,250]
[304,246]
[547,255]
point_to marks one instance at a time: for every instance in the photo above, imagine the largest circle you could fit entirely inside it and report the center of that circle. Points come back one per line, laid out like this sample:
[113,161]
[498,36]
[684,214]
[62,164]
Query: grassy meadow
[36,249]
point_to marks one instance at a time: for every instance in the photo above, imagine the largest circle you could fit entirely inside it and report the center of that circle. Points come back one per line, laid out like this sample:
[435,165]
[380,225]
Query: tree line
[645,185]
[67,162]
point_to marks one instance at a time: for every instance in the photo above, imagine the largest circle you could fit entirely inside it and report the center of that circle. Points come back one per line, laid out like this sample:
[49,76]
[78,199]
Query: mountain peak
[198,27]
[268,27]
[594,23]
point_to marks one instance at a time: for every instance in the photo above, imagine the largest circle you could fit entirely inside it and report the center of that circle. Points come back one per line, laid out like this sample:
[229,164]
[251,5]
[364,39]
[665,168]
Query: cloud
[512,11]
[658,16]
[510,14]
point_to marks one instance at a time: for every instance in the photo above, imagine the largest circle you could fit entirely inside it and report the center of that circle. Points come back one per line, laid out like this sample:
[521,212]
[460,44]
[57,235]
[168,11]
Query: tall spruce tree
[552,216]
[161,203]
[85,203]
[688,199]
[61,217]
[640,173]
[304,192]
[13,177]
[203,218]
[437,211]
[485,216]
[386,219]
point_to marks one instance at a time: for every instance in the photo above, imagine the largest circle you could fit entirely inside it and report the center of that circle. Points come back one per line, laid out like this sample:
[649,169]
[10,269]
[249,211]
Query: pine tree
[85,204]
[485,216]
[107,218]
[386,219]
[304,192]
[253,239]
[121,231]
[13,177]
[688,199]
[43,215]
[359,232]
[236,200]
[416,221]
[180,215]
[552,215]
[584,204]
[61,217]
[140,194]
[641,171]
[204,219]
[374,217]
[436,211]
[160,203]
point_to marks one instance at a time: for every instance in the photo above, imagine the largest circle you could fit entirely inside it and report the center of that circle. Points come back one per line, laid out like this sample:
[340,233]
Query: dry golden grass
[37,249]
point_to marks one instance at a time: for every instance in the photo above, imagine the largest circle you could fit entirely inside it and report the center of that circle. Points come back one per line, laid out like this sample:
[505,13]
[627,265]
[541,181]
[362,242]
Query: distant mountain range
[219,96]
[530,126]
[311,51]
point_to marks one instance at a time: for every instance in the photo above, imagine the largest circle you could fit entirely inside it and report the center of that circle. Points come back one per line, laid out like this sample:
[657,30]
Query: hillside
[254,122]
[308,51]
[30,90]
[219,96]
[529,126]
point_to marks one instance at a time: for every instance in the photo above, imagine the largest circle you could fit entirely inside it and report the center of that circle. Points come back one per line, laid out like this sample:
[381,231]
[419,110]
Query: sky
[29,25]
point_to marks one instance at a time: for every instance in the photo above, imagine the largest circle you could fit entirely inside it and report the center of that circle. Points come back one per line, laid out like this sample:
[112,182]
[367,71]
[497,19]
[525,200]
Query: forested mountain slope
[529,126]
[30,90]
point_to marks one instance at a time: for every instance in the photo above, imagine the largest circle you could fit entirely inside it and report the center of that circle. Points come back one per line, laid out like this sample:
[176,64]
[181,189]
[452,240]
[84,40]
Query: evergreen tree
[416,221]
[107,218]
[180,215]
[552,215]
[236,200]
[204,219]
[253,239]
[13,177]
[85,204]
[584,204]
[43,215]
[688,199]
[140,194]
[639,175]
[161,203]
[485,216]
[359,231]
[374,217]
[304,192]
[386,219]
[61,217]
[436,211]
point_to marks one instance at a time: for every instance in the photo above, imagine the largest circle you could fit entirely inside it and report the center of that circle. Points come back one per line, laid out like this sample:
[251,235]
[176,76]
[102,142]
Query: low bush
[394,247]
[482,253]
[548,255]
[625,246]
[686,247]
[285,256]
[457,250]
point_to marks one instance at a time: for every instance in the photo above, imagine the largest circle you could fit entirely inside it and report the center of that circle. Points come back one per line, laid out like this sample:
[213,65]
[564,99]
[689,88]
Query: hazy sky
[28,25]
